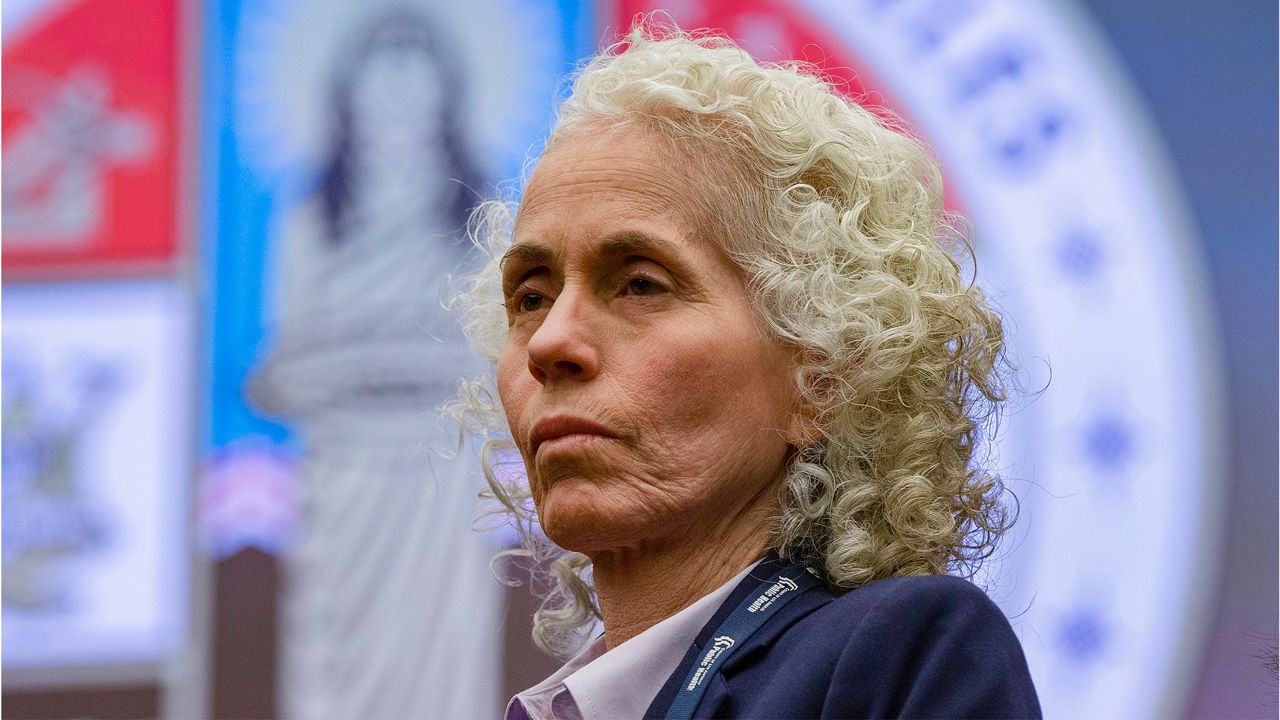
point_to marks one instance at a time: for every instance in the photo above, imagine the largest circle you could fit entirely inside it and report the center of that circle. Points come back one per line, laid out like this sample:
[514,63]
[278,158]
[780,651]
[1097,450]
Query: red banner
[90,139]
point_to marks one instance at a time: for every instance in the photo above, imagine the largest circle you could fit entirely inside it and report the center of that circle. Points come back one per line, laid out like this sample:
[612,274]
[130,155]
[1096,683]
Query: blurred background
[229,228]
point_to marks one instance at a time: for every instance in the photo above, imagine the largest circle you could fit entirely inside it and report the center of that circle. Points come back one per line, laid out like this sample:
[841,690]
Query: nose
[563,347]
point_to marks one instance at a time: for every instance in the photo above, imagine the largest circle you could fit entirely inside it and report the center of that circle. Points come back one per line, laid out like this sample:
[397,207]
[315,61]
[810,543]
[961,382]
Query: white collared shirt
[620,683]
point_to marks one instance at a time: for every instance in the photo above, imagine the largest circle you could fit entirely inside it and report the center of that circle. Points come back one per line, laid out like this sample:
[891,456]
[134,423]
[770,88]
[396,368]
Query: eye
[642,286]
[529,301]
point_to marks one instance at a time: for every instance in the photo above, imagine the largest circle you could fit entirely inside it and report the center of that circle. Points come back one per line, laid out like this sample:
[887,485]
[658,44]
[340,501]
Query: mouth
[556,430]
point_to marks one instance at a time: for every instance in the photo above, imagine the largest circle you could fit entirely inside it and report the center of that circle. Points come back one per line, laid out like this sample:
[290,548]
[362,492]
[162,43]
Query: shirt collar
[622,682]
[549,699]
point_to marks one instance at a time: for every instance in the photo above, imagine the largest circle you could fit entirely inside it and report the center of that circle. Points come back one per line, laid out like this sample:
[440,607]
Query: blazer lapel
[750,650]
[714,701]
[717,691]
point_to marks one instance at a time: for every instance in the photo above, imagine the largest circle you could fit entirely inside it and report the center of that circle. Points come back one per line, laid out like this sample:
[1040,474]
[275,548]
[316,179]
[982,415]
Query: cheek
[512,391]
[718,393]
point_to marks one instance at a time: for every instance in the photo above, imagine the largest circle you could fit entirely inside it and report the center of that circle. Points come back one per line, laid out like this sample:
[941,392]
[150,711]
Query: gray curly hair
[836,219]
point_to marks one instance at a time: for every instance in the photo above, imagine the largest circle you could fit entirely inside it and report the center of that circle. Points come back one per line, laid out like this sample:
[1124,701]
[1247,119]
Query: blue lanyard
[778,590]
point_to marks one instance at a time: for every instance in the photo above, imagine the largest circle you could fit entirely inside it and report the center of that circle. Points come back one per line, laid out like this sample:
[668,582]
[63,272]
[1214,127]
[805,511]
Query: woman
[746,381]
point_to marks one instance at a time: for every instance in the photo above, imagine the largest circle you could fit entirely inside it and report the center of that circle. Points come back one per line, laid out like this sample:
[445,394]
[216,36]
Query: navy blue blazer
[903,647]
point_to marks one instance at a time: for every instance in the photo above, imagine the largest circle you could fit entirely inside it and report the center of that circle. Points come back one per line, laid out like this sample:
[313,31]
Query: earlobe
[805,429]
[805,425]
[806,421]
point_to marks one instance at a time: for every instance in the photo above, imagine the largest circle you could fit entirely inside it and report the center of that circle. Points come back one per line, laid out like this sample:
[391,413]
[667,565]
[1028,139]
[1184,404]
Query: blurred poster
[90,116]
[97,397]
[352,140]
[1087,251]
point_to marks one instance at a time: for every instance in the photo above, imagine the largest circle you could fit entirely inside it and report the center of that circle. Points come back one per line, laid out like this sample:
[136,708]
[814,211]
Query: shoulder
[902,601]
[937,620]
[930,646]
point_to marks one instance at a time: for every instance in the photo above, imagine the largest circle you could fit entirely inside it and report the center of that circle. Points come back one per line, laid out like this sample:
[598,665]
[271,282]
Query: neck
[641,586]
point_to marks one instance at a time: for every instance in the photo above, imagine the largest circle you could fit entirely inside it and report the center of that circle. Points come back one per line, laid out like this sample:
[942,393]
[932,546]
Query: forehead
[610,176]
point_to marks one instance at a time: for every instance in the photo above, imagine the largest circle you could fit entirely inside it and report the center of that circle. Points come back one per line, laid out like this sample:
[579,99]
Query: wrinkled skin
[676,411]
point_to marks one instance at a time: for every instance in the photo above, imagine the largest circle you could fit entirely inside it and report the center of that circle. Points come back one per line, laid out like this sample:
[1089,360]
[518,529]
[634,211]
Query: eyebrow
[526,253]
[627,242]
[623,242]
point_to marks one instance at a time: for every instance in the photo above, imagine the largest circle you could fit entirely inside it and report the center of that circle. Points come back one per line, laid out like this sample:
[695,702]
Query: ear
[805,423]
[805,427]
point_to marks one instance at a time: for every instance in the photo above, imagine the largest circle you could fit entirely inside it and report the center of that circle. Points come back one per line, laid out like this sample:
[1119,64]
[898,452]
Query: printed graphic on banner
[351,142]
[90,117]
[52,515]
[95,447]
[354,145]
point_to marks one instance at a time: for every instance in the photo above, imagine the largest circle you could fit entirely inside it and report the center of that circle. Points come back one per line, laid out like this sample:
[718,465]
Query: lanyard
[779,589]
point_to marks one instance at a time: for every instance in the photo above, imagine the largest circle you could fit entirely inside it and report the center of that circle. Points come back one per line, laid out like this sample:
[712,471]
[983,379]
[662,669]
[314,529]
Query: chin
[576,523]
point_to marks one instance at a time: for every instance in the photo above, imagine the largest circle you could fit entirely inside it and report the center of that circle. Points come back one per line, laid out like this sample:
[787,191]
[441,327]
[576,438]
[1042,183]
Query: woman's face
[648,404]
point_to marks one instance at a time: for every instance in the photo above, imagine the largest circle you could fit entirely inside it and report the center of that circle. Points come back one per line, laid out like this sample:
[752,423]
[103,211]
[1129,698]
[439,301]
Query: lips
[561,426]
